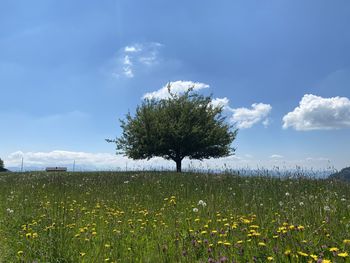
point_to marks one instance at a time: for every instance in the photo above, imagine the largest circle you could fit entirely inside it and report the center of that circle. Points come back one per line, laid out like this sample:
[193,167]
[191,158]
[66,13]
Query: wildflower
[82,254]
[326,208]
[9,210]
[303,254]
[346,241]
[280,203]
[202,203]
[287,194]
[287,252]
[326,261]
[125,182]
[195,210]
[333,249]
[20,253]
[343,254]
[270,258]
[227,244]
[301,203]
[314,257]
[262,244]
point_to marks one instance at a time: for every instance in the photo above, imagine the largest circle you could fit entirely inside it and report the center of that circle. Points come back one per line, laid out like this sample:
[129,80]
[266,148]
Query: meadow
[170,217]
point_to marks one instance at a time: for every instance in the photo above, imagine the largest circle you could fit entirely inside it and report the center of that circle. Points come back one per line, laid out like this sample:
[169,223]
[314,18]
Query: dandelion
[202,203]
[9,210]
[195,210]
[303,254]
[333,249]
[270,258]
[262,244]
[346,241]
[343,254]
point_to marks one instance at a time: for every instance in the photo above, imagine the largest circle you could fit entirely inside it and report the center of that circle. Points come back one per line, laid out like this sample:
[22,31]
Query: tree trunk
[178,165]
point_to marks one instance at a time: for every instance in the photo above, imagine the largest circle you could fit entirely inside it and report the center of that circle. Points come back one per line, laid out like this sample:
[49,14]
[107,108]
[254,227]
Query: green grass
[150,217]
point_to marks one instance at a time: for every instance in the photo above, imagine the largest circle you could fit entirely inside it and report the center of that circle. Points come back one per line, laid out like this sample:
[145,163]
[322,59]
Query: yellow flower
[326,261]
[343,254]
[333,249]
[20,253]
[303,254]
[287,252]
[346,241]
[262,244]
[82,254]
[314,257]
[227,243]
[107,245]
[270,258]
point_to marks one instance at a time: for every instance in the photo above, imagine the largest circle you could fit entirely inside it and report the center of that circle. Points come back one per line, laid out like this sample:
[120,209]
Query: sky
[69,70]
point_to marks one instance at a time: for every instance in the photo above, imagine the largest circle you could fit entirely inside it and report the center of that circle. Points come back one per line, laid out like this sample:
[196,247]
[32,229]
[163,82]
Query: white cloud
[317,113]
[110,161]
[242,117]
[132,49]
[245,118]
[220,102]
[276,156]
[135,57]
[177,87]
[107,161]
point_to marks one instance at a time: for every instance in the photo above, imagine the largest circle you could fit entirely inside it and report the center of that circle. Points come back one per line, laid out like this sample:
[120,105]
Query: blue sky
[70,69]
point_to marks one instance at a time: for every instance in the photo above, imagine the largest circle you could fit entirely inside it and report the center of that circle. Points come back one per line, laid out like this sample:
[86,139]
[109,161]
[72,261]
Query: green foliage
[1,164]
[186,125]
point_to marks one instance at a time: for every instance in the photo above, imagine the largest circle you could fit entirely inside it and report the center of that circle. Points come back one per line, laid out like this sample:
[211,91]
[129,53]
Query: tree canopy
[2,167]
[182,125]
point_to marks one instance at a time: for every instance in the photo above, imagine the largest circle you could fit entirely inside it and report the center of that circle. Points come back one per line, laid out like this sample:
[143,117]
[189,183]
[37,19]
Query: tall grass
[168,217]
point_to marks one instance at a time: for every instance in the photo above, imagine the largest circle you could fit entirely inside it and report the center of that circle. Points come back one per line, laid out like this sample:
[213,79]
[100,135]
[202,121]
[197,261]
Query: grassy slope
[149,217]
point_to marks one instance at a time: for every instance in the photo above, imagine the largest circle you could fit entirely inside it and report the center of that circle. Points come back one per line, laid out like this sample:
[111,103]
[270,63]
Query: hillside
[343,175]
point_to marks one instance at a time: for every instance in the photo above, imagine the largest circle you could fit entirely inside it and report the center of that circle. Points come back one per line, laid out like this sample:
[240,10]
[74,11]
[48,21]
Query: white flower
[9,210]
[280,203]
[287,194]
[195,209]
[301,203]
[126,182]
[343,199]
[326,208]
[202,203]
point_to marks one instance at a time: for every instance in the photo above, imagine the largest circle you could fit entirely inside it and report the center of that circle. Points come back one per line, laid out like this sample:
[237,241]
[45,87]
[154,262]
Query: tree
[1,164]
[185,125]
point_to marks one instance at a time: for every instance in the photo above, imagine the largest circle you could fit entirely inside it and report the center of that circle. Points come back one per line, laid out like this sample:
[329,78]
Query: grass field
[168,217]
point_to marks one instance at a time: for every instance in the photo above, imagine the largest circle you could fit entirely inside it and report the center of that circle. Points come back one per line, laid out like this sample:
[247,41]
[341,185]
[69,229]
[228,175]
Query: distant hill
[343,175]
